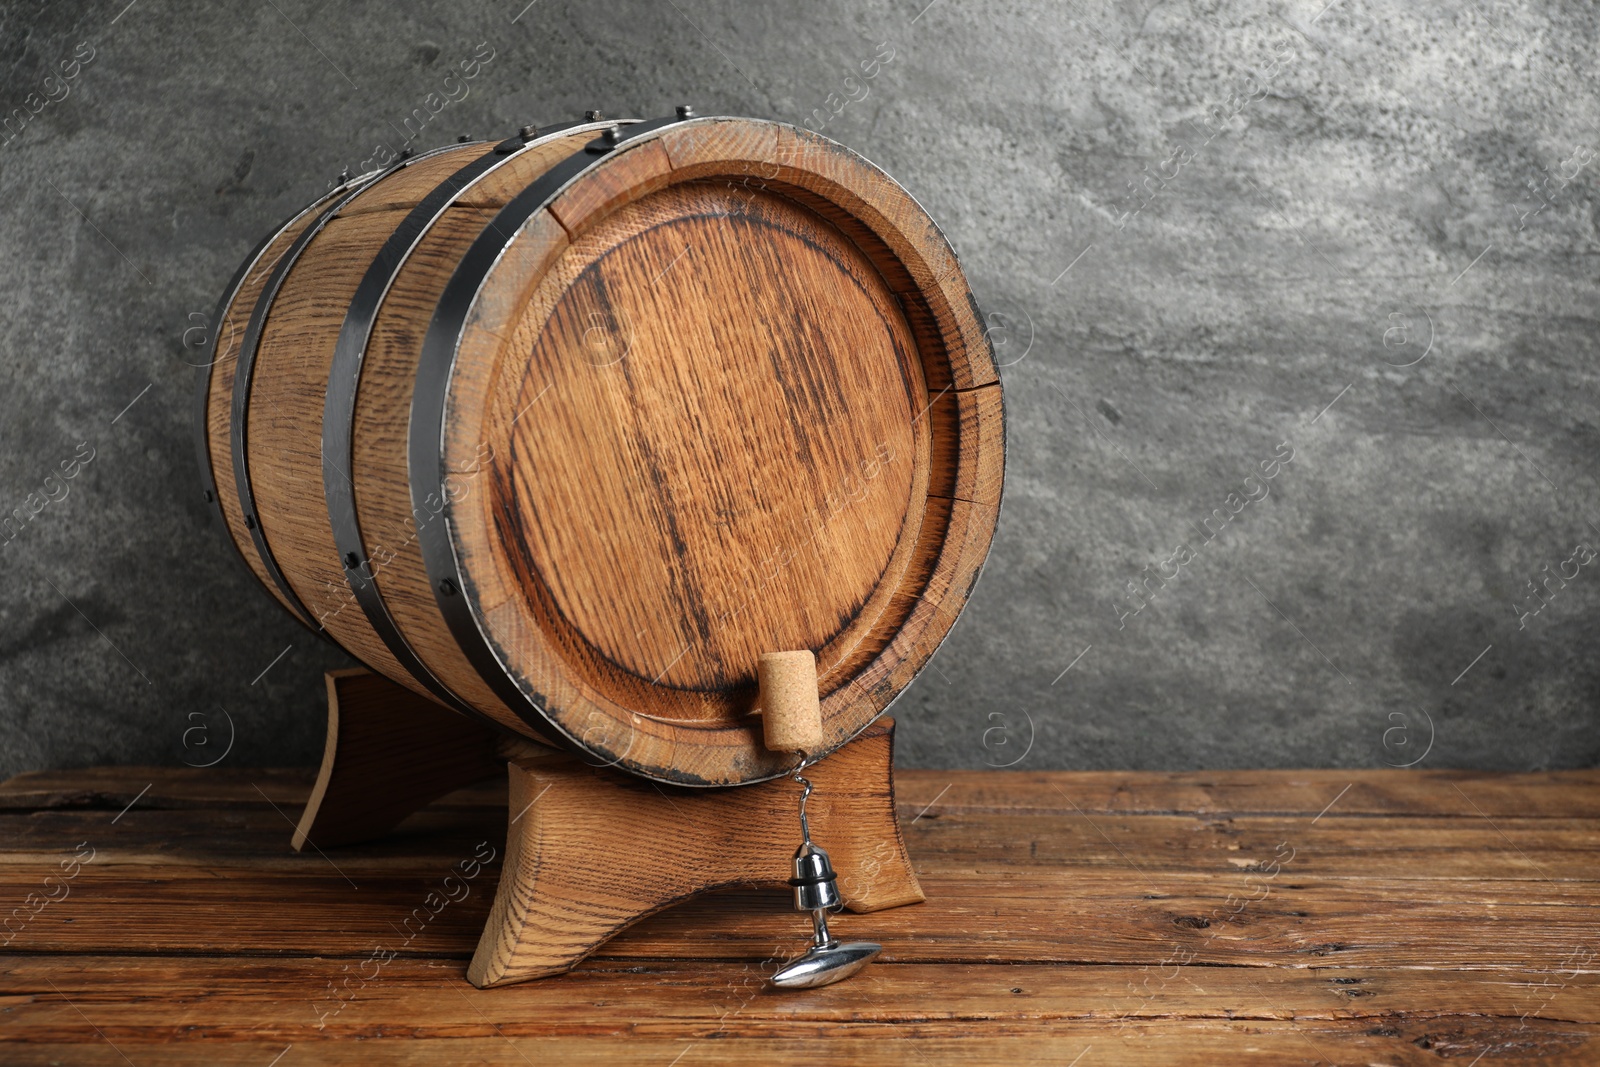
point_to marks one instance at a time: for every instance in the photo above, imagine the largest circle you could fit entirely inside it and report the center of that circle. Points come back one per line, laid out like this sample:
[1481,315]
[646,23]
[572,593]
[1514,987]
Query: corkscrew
[816,889]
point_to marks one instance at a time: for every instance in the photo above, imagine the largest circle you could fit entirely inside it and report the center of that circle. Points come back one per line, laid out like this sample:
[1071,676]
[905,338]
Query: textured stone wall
[1297,303]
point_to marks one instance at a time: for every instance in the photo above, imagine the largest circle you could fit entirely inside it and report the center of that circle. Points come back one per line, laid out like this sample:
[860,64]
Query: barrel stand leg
[589,851]
[389,752]
[578,836]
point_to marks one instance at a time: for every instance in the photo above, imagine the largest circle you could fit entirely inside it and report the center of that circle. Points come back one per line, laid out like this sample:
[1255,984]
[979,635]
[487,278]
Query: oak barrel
[565,431]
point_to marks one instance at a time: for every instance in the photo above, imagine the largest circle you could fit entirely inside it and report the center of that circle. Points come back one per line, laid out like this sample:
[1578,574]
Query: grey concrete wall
[1211,235]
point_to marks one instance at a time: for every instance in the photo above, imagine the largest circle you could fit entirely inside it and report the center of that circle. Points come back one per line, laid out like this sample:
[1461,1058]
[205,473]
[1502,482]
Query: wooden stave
[338,426]
[216,431]
[504,672]
[261,560]
[278,441]
[244,380]
[214,435]
[222,313]
[425,454]
[405,587]
[339,401]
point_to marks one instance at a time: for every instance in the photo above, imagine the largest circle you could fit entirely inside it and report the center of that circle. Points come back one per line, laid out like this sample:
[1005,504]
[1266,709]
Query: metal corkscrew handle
[816,890]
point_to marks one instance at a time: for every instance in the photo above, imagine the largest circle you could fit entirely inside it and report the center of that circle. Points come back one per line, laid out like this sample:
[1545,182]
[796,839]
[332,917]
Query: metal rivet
[344,175]
[352,560]
[249,522]
[447,587]
[685,111]
[462,139]
[211,498]
[405,153]
[612,135]
[592,116]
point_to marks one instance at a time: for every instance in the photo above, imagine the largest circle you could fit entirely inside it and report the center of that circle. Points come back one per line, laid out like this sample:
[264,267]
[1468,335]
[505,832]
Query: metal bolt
[685,111]
[528,133]
[612,134]
[592,116]
[462,139]
[447,587]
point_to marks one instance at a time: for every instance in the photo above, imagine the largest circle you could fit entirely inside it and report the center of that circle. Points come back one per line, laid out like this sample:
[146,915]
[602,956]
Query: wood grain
[1235,849]
[912,1042]
[340,905]
[285,422]
[720,504]
[230,332]
[399,192]
[763,416]
[1425,917]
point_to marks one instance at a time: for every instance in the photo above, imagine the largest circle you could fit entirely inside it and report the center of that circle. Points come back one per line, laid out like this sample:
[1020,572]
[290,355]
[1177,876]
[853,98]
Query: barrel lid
[711,388]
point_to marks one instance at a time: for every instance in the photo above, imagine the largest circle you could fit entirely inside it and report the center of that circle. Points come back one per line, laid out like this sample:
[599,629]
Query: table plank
[1252,1043]
[1044,915]
[1199,1015]
[1336,846]
[228,993]
[1249,917]
[1562,794]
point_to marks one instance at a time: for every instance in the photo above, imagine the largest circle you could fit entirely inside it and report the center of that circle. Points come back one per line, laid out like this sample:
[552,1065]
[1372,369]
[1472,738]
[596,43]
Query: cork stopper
[791,712]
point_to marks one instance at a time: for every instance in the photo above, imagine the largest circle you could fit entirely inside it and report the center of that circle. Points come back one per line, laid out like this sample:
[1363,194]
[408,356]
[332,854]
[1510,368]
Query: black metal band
[245,373]
[339,409]
[202,400]
[425,440]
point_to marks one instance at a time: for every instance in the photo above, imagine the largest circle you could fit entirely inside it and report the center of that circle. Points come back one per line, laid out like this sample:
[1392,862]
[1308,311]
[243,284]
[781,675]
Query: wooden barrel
[565,431]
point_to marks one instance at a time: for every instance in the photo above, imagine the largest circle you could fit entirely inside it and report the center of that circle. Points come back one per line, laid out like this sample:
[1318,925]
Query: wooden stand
[389,753]
[590,850]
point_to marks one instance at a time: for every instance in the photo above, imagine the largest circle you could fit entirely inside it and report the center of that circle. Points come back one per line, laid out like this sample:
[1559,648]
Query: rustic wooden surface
[1089,918]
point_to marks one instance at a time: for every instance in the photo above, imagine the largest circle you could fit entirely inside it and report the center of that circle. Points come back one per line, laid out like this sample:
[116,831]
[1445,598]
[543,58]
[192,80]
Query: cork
[791,713]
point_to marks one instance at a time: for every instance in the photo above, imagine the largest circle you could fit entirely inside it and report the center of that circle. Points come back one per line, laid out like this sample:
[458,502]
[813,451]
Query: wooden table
[1238,917]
